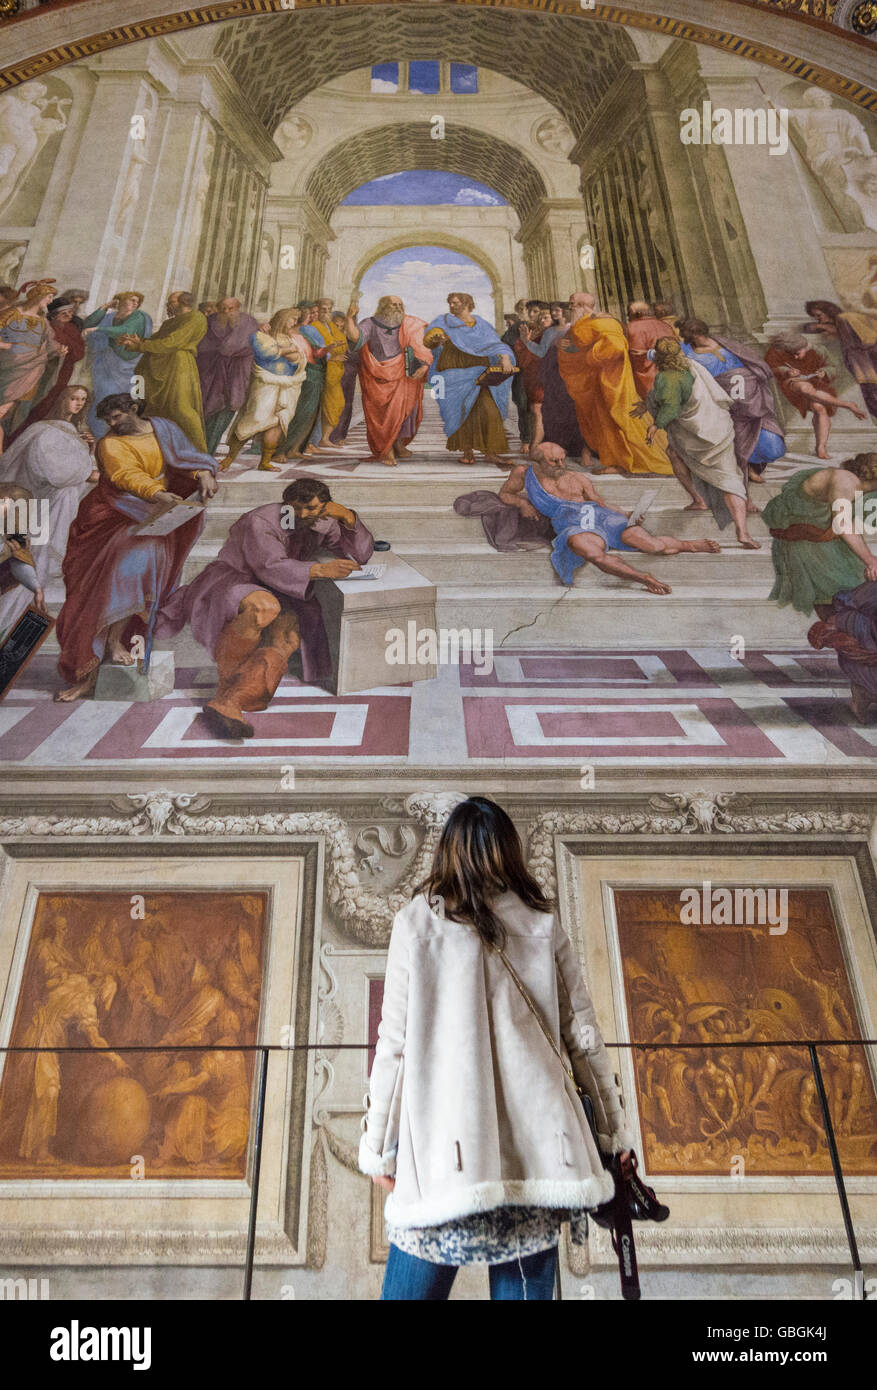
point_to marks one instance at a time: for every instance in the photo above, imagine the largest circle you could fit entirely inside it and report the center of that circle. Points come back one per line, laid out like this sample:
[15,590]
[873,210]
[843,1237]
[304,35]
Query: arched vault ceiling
[781,33]
[569,62]
[392,148]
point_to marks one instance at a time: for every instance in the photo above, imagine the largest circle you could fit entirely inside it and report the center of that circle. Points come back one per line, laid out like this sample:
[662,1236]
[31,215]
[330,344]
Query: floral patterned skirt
[489,1237]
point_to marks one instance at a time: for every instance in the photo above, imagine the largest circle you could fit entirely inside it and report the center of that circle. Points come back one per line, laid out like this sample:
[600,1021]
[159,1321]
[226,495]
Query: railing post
[257,1167]
[858,1275]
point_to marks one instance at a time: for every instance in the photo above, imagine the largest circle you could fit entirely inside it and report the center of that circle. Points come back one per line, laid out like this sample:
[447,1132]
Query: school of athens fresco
[396,401]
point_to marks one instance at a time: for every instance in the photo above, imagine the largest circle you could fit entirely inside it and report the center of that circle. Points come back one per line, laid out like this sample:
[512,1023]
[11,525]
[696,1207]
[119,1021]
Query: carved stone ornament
[366,915]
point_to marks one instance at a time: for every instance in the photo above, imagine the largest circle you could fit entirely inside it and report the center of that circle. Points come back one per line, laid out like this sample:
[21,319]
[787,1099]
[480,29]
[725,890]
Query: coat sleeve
[377,1147]
[587,1052]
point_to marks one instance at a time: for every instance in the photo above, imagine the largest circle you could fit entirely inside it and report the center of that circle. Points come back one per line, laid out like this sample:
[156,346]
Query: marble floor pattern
[552,706]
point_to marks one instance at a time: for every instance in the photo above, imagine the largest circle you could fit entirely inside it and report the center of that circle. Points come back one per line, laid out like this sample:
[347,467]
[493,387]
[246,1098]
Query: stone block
[131,683]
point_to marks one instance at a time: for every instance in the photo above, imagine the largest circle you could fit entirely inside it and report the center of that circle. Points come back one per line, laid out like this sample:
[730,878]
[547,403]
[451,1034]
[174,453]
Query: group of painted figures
[111,422]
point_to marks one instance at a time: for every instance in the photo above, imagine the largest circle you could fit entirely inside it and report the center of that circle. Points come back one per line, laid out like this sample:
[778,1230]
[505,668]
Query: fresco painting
[398,402]
[722,985]
[186,969]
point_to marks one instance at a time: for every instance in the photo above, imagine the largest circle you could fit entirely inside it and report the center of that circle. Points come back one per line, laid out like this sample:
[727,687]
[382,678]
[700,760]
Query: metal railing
[264,1050]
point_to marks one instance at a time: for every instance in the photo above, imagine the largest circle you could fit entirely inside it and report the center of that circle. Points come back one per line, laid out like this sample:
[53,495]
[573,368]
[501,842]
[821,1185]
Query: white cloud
[380,84]
[475,195]
[423,287]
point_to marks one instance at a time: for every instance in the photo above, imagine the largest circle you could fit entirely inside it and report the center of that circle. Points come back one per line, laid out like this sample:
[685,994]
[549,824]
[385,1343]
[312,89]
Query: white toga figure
[24,129]
[837,148]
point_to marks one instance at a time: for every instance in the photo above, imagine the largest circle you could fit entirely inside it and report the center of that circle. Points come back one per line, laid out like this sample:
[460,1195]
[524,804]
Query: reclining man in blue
[586,528]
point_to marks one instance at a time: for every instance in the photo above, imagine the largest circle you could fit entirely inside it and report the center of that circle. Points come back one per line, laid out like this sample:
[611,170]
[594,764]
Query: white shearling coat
[468,1107]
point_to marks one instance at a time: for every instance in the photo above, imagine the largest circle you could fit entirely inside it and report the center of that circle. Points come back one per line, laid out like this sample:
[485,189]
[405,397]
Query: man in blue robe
[586,528]
[464,347]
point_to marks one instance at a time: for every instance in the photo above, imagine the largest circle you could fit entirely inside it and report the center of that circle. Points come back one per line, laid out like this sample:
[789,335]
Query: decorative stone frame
[182,1221]
[747,1234]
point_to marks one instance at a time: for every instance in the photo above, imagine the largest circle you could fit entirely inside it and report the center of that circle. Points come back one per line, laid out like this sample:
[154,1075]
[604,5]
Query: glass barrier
[230,1172]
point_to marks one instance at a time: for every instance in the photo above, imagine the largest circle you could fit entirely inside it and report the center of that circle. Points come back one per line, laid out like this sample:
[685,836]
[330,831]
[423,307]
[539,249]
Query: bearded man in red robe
[115,579]
[393,363]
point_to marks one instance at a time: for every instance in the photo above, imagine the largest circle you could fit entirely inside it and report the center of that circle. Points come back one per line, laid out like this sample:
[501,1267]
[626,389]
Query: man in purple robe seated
[240,604]
[224,361]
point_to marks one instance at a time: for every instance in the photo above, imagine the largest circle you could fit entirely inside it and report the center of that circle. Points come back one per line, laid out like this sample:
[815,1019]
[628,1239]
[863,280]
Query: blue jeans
[408,1277]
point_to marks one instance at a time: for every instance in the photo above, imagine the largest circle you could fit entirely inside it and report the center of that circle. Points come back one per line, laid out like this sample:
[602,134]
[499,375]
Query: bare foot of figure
[752,509]
[467,458]
[701,548]
[119,655]
[80,691]
[401,452]
[504,464]
[822,453]
[655,586]
[747,542]
[699,506]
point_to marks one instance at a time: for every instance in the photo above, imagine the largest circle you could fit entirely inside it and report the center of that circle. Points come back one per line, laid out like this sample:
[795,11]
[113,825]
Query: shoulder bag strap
[522,990]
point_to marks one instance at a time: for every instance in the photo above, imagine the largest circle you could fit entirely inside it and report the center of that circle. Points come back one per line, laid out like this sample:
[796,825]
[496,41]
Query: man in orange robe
[393,363]
[644,329]
[595,367]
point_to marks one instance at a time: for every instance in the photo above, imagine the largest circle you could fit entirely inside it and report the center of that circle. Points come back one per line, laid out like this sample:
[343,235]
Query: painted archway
[503,285]
[390,149]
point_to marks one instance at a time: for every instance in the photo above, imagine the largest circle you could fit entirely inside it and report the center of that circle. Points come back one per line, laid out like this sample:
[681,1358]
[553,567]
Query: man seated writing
[586,528]
[241,603]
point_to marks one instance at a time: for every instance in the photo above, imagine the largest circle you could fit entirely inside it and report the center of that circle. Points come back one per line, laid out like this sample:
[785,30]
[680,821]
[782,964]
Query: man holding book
[115,579]
[473,368]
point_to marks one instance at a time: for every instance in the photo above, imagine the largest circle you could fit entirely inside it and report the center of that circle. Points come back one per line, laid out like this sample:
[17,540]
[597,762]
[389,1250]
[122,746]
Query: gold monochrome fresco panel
[721,985]
[186,971]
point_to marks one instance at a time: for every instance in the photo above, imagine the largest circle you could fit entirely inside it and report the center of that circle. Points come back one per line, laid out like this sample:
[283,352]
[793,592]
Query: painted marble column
[674,203]
[303,249]
[84,243]
[774,207]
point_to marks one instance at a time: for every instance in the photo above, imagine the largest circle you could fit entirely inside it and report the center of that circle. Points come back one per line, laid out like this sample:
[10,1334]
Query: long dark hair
[823,306]
[478,857]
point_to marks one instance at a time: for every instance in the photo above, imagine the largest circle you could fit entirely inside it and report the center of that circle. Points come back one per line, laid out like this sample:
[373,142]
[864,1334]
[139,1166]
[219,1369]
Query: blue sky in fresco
[423,277]
[424,186]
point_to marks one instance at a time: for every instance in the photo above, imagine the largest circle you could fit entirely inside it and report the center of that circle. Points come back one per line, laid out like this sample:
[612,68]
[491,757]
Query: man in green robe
[298,436]
[818,545]
[169,367]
